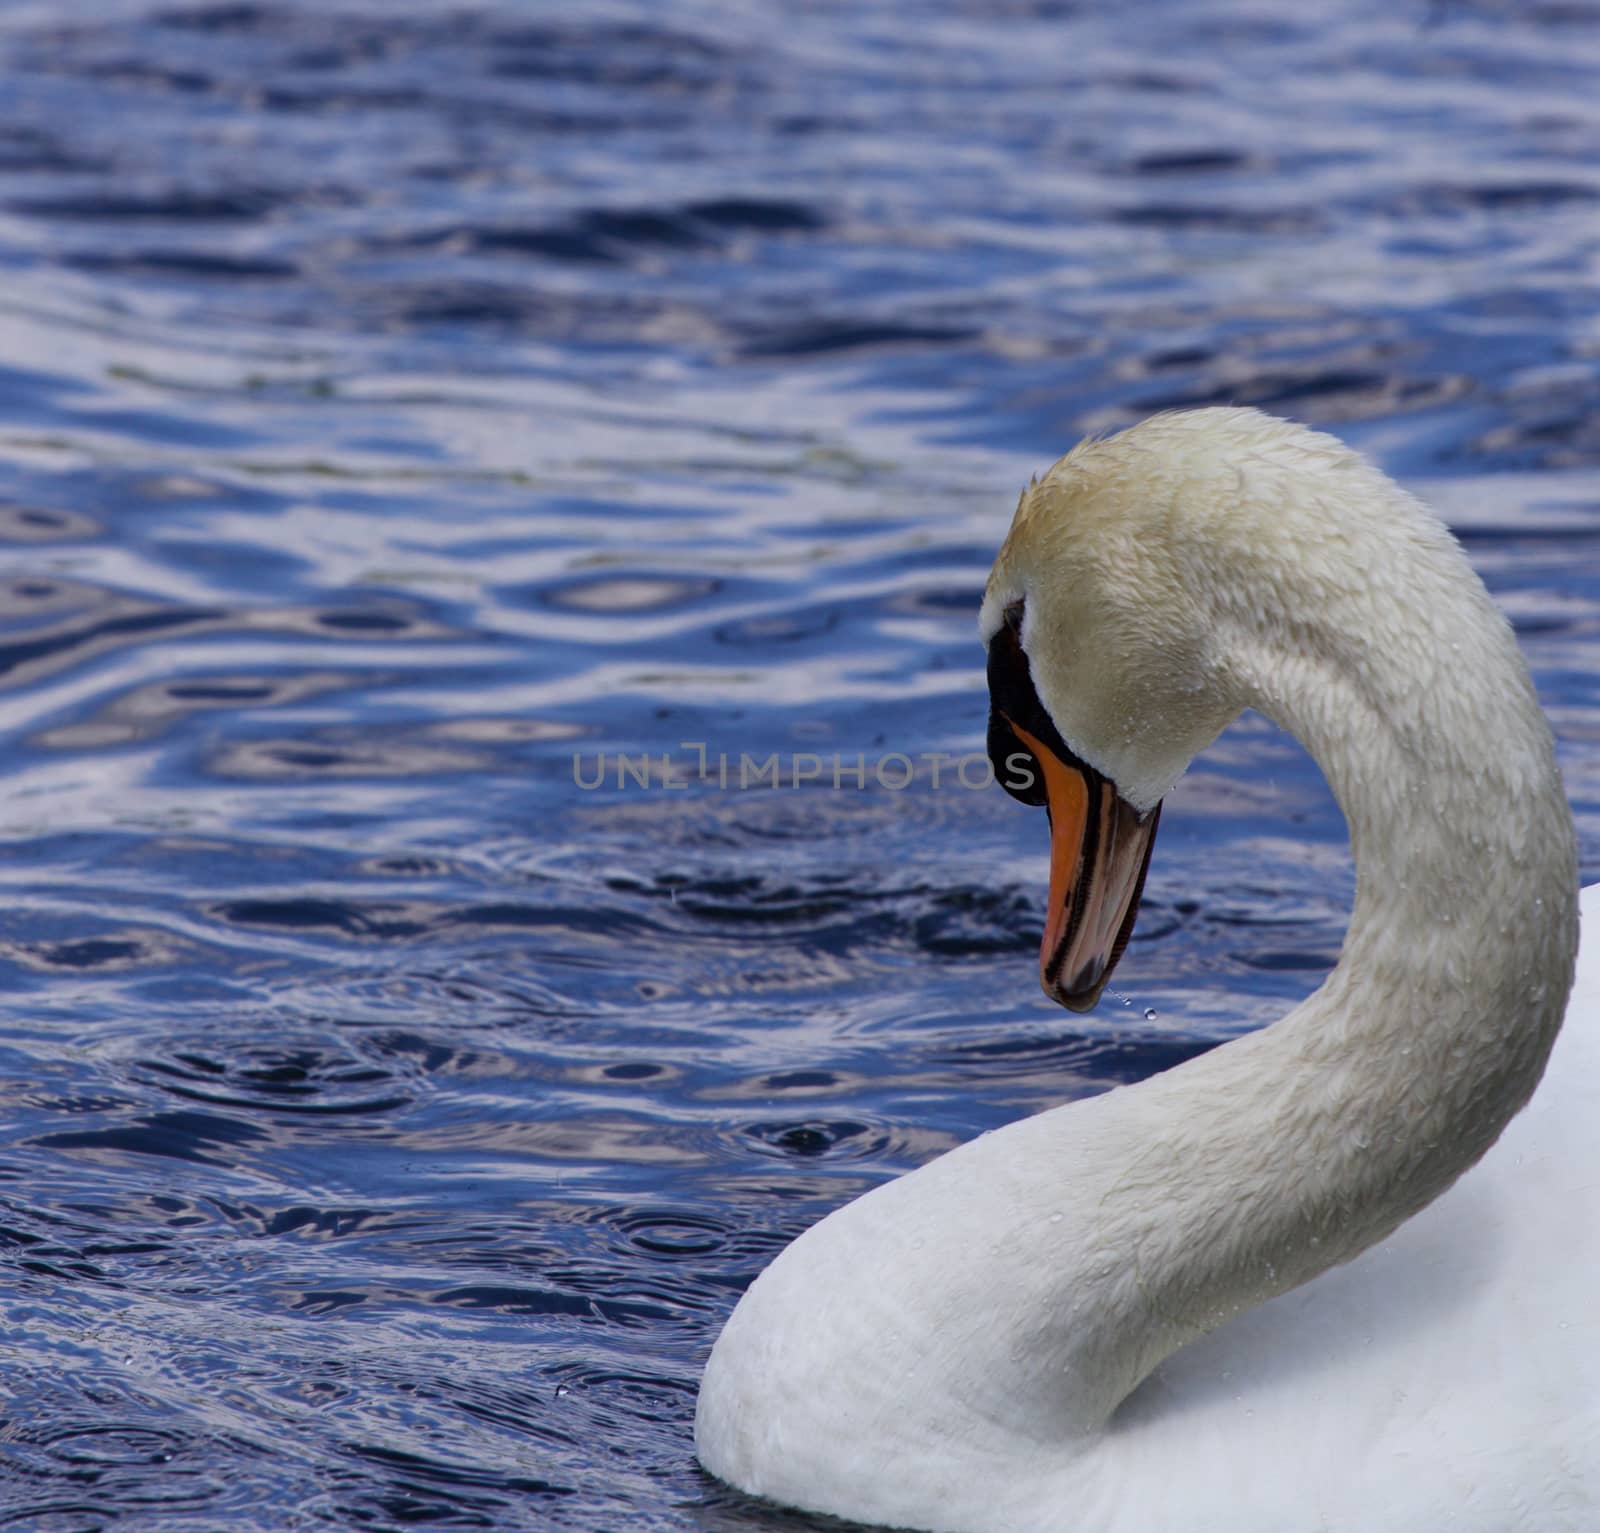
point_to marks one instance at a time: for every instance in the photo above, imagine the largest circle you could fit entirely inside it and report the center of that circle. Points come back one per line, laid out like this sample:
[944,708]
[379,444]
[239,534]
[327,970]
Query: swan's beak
[1099,852]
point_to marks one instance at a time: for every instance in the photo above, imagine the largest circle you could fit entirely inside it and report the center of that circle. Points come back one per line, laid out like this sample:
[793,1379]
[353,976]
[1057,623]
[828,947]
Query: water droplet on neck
[1150,1014]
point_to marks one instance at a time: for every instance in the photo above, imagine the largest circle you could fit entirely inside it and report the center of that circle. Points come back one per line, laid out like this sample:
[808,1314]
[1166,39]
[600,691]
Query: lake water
[400,401]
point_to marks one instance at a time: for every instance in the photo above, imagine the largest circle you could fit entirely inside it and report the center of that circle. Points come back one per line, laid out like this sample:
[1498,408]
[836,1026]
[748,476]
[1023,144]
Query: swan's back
[1442,1382]
[1456,1366]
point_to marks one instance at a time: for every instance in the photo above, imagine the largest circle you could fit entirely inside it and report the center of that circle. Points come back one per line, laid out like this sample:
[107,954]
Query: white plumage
[1249,1295]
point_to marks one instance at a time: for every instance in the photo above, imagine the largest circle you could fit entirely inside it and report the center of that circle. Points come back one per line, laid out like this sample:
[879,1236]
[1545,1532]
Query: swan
[1337,1275]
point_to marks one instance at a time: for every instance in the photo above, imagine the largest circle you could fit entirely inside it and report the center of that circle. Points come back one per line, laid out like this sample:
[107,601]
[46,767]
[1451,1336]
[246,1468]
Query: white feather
[1249,1295]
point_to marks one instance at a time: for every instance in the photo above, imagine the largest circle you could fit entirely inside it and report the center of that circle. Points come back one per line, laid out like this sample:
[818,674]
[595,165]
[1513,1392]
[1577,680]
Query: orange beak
[1099,852]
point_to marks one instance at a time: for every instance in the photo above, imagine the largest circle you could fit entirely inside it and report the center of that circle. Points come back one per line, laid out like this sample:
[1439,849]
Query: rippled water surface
[398,401]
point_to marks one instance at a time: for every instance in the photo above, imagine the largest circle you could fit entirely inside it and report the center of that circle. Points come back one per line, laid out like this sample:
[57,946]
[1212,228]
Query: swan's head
[1109,619]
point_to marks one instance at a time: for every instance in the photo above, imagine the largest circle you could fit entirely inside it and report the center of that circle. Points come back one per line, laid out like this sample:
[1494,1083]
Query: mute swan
[1248,1295]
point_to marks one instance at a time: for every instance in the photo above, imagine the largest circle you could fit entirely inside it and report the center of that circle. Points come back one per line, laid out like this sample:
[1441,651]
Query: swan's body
[1151,1312]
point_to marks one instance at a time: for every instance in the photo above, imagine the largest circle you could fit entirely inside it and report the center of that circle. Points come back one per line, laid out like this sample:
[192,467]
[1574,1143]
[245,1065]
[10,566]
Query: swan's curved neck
[986,1317]
[1259,1165]
[1452,983]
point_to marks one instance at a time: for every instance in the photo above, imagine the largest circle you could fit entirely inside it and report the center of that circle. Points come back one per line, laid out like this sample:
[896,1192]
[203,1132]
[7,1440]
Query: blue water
[400,402]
